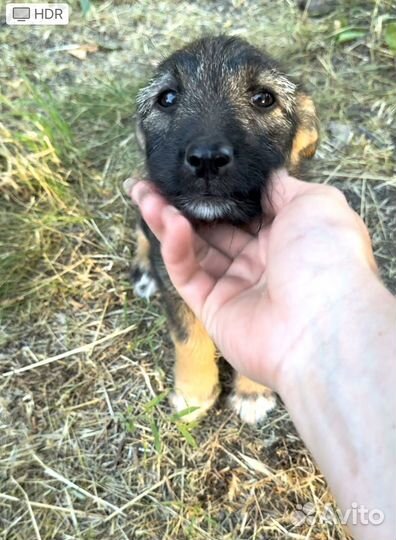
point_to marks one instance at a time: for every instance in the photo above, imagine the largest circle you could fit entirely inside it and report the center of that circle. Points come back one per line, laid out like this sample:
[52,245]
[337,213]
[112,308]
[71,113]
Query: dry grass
[89,448]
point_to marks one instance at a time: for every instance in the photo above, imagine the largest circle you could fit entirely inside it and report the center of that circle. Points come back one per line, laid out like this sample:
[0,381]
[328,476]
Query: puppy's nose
[204,158]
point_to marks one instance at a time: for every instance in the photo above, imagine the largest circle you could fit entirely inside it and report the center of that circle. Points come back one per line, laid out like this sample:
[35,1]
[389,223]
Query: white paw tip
[146,286]
[252,410]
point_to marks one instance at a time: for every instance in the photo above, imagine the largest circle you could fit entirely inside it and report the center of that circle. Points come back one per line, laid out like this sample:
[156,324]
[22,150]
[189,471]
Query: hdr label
[32,14]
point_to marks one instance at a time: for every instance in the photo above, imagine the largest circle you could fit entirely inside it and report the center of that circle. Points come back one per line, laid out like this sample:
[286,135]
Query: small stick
[45,506]
[66,354]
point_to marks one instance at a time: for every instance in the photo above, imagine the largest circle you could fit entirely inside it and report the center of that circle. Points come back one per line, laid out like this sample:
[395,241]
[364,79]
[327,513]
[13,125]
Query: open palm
[261,294]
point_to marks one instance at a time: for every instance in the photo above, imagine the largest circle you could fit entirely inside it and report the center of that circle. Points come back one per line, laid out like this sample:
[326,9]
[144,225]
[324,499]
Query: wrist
[342,402]
[341,336]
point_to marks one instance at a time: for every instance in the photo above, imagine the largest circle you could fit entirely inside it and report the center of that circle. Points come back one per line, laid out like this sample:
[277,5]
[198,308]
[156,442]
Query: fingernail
[128,185]
[172,211]
[139,191]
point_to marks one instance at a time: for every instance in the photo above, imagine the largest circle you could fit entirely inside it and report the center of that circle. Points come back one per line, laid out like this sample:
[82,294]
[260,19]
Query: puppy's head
[216,120]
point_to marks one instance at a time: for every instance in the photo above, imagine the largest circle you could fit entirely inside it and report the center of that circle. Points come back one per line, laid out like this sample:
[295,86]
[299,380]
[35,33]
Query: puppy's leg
[252,401]
[196,370]
[144,283]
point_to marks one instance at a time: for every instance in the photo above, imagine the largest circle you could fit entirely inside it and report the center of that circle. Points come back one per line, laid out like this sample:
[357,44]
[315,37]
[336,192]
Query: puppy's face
[216,120]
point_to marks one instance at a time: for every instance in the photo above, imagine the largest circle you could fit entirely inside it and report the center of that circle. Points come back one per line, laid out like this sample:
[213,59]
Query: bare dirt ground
[89,448]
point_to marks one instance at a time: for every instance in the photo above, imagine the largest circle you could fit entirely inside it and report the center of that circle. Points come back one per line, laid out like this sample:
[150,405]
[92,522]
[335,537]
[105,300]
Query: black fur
[214,79]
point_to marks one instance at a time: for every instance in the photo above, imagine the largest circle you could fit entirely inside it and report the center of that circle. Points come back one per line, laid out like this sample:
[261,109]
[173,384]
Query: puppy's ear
[306,138]
[141,140]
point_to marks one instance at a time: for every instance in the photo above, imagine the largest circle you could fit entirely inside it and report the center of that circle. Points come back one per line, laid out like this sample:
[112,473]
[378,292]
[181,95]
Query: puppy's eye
[263,100]
[167,99]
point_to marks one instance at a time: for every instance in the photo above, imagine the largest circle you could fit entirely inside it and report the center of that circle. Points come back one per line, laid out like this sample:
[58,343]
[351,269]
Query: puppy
[216,120]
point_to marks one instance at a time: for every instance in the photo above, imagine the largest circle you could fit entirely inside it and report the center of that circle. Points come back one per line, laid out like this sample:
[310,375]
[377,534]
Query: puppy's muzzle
[205,158]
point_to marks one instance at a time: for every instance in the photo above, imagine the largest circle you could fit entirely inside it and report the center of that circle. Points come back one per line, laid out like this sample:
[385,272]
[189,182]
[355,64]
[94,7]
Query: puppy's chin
[208,210]
[218,209]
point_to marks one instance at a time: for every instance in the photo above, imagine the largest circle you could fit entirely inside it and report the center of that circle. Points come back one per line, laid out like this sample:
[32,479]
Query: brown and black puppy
[216,120]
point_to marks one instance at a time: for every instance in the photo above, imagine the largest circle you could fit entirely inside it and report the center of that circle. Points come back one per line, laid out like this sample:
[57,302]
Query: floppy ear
[306,138]
[141,140]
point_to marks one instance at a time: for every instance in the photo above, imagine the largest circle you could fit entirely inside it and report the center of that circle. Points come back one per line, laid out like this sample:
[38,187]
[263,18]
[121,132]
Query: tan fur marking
[196,371]
[307,137]
[246,387]
[304,143]
[142,252]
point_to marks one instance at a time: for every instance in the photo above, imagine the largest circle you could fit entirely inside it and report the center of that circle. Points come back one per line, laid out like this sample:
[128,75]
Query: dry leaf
[81,51]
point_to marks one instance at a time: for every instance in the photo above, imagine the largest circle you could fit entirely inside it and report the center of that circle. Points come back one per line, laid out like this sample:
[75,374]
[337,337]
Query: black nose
[205,158]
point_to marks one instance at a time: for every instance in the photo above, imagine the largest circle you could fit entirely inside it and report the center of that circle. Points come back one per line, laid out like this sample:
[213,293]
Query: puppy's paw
[180,402]
[253,409]
[144,284]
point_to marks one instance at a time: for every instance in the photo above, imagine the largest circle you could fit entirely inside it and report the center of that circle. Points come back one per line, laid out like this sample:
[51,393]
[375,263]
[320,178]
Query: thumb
[285,188]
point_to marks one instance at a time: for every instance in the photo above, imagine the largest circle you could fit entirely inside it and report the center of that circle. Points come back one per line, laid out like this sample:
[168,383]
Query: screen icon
[21,14]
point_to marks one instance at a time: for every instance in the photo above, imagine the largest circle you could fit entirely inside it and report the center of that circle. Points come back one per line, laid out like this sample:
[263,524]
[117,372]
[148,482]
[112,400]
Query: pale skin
[298,306]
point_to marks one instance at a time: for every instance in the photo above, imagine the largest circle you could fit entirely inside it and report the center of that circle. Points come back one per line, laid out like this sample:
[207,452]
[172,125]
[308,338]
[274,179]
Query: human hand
[298,306]
[269,299]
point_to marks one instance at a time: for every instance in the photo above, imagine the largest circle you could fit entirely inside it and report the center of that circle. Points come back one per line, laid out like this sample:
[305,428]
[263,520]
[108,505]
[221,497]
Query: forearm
[343,403]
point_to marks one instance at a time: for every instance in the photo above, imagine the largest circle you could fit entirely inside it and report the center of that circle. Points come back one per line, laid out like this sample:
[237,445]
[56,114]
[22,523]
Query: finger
[233,242]
[249,265]
[213,261]
[151,206]
[284,188]
[192,281]
[228,239]
[138,190]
